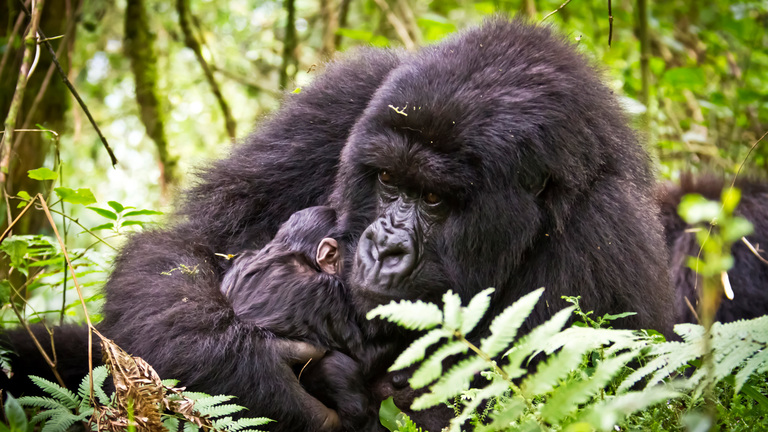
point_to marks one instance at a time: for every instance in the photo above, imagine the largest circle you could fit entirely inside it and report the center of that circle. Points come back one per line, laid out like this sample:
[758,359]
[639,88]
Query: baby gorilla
[292,288]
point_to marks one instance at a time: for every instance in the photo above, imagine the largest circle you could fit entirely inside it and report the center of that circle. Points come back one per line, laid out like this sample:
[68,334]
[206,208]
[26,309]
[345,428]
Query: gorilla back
[497,158]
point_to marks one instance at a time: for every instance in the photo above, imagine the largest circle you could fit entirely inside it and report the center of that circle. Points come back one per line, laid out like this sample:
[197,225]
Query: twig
[397,24]
[556,10]
[754,251]
[747,158]
[610,24]
[74,92]
[289,43]
[66,38]
[191,42]
[30,43]
[51,362]
[77,288]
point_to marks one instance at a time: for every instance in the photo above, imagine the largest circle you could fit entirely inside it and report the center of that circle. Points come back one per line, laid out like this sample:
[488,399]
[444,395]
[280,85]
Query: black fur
[543,184]
[283,289]
[748,277]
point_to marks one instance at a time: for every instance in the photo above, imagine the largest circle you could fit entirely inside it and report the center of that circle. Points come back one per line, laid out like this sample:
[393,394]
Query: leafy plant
[561,391]
[187,411]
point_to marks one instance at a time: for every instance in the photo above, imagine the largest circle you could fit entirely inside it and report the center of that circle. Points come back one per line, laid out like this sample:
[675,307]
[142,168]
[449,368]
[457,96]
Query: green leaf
[66,397]
[142,213]
[17,420]
[456,380]
[432,368]
[297,90]
[694,208]
[16,248]
[126,223]
[108,225]
[42,174]
[411,315]
[504,327]
[103,213]
[82,196]
[415,352]
[388,414]
[23,195]
[451,310]
[116,206]
[475,310]
[5,292]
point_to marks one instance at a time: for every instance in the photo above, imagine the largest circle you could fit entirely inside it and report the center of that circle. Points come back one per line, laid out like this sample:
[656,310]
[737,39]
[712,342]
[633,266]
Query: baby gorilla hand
[337,380]
[294,356]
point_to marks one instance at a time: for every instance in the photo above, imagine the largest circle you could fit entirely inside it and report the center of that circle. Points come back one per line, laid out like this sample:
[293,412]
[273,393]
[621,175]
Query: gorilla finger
[295,352]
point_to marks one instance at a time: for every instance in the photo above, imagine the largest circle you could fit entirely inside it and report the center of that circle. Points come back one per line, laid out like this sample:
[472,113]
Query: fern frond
[535,341]
[62,420]
[207,401]
[551,372]
[605,415]
[171,423]
[246,424]
[496,388]
[475,310]
[219,410]
[568,397]
[452,383]
[416,351]
[411,315]
[432,368]
[504,327]
[46,414]
[41,402]
[100,375]
[452,310]
[66,397]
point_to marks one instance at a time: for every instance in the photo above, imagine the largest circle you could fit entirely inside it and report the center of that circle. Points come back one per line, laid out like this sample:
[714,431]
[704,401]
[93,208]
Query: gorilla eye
[385,177]
[432,198]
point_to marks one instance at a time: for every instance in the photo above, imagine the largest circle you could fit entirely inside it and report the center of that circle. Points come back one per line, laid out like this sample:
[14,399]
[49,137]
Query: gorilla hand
[298,354]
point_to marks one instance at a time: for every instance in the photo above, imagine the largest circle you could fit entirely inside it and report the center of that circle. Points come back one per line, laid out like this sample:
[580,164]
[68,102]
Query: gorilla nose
[385,255]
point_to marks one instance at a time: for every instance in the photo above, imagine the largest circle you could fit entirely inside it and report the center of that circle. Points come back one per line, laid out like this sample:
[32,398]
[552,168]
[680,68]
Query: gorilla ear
[328,255]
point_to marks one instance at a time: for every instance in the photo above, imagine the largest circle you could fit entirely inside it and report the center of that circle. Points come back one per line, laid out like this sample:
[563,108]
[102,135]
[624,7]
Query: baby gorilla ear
[328,256]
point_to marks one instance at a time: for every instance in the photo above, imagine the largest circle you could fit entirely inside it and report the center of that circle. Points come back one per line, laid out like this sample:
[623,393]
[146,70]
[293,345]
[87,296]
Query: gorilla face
[497,159]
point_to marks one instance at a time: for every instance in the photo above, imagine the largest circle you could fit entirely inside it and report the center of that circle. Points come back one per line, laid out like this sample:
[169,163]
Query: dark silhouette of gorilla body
[748,277]
[494,158]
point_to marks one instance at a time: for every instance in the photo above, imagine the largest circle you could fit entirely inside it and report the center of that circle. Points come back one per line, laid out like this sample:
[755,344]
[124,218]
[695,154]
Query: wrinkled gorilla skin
[748,277]
[182,324]
[497,158]
[293,288]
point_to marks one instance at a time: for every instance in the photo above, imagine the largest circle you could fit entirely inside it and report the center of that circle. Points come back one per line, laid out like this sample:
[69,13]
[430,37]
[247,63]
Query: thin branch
[74,92]
[556,10]
[754,250]
[30,44]
[610,24]
[747,158]
[397,24]
[68,33]
[77,288]
[289,43]
[191,42]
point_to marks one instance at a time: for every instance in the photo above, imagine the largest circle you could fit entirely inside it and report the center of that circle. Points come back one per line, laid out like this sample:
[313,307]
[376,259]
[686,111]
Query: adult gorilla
[495,158]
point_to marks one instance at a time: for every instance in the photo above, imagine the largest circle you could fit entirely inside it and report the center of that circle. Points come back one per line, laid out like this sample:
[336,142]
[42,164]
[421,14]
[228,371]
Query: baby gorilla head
[292,287]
